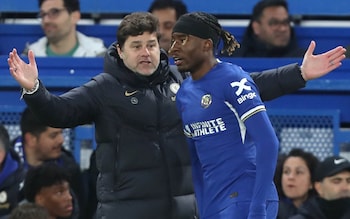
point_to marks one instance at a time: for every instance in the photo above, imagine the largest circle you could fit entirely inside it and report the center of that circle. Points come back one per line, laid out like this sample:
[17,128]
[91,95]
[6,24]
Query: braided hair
[229,41]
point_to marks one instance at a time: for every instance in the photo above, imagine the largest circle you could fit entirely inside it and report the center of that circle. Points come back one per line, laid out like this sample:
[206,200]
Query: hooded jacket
[142,155]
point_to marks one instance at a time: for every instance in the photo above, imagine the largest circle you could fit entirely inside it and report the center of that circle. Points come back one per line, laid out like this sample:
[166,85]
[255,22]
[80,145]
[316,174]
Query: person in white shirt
[59,20]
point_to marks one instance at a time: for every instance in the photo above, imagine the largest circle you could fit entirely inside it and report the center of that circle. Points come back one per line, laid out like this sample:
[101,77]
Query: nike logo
[339,161]
[128,94]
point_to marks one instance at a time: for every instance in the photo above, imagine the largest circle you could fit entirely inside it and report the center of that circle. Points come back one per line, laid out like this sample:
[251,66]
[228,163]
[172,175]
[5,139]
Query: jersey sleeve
[266,157]
[244,97]
[242,93]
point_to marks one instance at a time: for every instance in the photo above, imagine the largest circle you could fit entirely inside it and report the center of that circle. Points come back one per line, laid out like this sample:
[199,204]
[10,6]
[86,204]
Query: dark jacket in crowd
[318,208]
[11,177]
[251,46]
[287,209]
[141,156]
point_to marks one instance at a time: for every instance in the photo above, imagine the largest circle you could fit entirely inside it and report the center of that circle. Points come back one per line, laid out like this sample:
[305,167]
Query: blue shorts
[240,210]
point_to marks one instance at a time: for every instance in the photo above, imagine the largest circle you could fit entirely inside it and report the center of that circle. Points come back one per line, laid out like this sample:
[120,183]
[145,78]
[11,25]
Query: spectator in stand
[167,12]
[47,185]
[40,144]
[11,175]
[296,181]
[269,33]
[332,184]
[29,211]
[59,20]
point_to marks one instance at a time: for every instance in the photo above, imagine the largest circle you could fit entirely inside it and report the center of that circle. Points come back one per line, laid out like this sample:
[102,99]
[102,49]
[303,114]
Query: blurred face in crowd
[273,27]
[141,53]
[56,21]
[56,199]
[47,145]
[2,154]
[334,187]
[296,179]
[167,20]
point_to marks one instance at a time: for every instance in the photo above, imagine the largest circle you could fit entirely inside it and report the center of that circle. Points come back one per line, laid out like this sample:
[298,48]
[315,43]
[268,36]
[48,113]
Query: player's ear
[208,45]
[76,15]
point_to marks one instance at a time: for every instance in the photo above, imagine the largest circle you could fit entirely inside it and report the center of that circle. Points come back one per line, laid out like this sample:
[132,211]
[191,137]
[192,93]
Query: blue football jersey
[214,110]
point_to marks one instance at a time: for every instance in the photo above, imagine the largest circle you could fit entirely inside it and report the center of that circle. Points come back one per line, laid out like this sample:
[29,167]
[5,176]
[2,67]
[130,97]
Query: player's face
[141,53]
[187,51]
[296,179]
[167,20]
[334,187]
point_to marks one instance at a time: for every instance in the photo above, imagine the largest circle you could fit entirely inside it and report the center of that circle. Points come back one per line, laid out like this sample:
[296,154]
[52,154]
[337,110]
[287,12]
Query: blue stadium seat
[222,7]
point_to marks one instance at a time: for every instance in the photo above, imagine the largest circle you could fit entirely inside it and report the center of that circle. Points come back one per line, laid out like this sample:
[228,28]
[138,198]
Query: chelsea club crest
[206,101]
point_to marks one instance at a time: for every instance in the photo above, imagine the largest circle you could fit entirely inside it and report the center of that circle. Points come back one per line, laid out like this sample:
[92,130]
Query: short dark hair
[207,24]
[309,158]
[261,5]
[29,211]
[70,5]
[178,5]
[136,24]
[4,138]
[31,123]
[44,175]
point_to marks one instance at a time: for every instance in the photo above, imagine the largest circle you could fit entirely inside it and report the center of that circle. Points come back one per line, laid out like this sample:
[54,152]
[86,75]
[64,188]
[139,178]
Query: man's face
[334,187]
[141,53]
[56,21]
[273,27]
[56,199]
[167,20]
[49,144]
[189,52]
